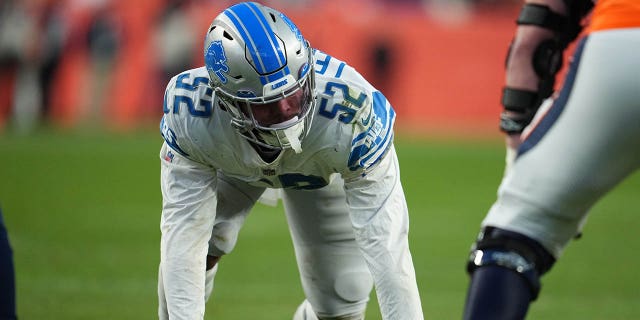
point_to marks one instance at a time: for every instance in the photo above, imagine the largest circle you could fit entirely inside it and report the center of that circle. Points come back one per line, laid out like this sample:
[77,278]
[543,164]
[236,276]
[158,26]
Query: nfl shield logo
[169,156]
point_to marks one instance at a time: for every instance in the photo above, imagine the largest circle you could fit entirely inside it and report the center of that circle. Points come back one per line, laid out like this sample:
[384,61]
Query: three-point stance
[269,111]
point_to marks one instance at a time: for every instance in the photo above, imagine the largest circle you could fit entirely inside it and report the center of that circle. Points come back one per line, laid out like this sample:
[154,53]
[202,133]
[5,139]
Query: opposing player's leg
[505,270]
[583,147]
[334,275]
[7,276]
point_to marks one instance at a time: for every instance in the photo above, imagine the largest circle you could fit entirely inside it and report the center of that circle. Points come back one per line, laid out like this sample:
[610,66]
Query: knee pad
[343,296]
[353,286]
[514,251]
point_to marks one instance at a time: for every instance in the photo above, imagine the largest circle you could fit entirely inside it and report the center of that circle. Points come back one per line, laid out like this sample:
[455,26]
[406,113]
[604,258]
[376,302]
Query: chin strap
[292,136]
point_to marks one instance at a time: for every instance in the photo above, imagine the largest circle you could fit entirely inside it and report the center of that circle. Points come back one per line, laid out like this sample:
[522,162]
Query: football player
[270,112]
[7,276]
[581,143]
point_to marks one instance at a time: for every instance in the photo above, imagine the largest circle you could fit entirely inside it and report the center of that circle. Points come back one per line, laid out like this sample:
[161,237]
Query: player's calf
[505,269]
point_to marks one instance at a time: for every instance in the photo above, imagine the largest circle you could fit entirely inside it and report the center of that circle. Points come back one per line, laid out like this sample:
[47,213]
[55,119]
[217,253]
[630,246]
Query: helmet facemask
[278,121]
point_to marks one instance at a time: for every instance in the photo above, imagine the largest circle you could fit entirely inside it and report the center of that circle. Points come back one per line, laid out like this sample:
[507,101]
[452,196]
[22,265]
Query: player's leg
[505,267]
[334,275]
[7,276]
[580,150]
[235,200]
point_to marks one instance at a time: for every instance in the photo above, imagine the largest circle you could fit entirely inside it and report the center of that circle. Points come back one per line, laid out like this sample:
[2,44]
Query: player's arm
[545,28]
[188,211]
[377,206]
[380,220]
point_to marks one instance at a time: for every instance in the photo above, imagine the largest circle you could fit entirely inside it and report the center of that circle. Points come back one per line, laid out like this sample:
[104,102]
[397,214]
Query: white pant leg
[235,201]
[335,277]
[592,145]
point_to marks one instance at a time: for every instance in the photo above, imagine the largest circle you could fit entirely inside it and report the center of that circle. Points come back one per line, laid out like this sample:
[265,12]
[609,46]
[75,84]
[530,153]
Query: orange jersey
[613,14]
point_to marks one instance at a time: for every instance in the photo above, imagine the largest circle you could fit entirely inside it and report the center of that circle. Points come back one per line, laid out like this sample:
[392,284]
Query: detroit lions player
[580,144]
[270,112]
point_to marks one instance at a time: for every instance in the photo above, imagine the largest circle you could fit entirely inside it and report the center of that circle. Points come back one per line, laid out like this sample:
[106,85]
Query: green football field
[83,212]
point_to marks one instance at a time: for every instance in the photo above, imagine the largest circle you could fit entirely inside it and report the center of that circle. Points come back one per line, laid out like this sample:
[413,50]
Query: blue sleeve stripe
[340,68]
[382,144]
[259,37]
[368,147]
[324,63]
[170,138]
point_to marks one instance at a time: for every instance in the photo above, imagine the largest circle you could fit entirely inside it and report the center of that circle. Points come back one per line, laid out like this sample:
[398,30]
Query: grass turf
[83,210]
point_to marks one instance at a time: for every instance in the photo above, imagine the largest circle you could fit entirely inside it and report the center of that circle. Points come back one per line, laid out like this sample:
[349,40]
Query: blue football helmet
[261,68]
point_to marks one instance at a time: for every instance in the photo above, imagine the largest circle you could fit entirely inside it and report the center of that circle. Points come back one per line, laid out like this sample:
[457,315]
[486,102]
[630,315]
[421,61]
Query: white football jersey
[351,135]
[351,130]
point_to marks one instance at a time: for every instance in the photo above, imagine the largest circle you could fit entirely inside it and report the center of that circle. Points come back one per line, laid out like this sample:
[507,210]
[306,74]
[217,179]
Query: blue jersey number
[301,182]
[346,110]
[324,66]
[205,103]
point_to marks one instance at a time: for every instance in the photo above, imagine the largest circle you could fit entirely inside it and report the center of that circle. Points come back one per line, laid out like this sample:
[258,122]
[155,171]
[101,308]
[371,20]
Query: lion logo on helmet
[216,60]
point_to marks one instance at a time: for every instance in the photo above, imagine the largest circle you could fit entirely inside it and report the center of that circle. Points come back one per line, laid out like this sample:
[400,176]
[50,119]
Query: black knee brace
[514,251]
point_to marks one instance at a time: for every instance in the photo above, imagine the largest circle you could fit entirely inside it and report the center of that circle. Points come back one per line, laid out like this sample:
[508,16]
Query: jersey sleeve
[380,219]
[366,115]
[188,211]
[373,135]
[187,107]
[189,198]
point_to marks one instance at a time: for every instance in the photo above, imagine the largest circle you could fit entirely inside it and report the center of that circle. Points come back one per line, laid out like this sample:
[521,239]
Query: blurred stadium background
[81,86]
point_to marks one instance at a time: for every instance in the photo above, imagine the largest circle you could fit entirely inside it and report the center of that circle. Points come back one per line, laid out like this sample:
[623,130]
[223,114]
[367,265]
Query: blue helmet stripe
[267,54]
[274,77]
